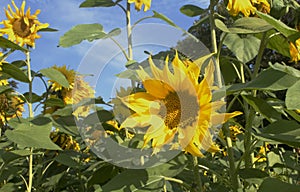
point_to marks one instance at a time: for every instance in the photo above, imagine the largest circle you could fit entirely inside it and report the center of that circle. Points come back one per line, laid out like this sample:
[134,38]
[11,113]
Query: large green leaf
[9,187]
[284,131]
[270,79]
[260,105]
[191,10]
[28,134]
[287,69]
[272,184]
[292,99]
[98,3]
[245,48]
[151,179]
[245,25]
[288,32]
[82,32]
[54,102]
[6,44]
[14,72]
[55,75]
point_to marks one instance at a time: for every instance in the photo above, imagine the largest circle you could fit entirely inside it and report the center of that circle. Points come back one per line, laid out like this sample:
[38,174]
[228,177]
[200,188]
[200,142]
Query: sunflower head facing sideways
[176,108]
[20,26]
[140,3]
[247,7]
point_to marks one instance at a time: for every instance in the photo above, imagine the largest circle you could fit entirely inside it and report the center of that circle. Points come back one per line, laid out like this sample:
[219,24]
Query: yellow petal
[157,88]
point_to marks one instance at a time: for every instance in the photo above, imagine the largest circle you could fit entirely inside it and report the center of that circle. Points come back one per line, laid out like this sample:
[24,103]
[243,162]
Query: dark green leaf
[287,69]
[97,3]
[284,131]
[244,48]
[82,32]
[68,159]
[48,29]
[4,89]
[252,173]
[19,63]
[35,98]
[54,102]
[28,134]
[272,184]
[99,116]
[292,99]
[9,187]
[280,26]
[191,10]
[6,44]
[55,75]
[260,105]
[14,72]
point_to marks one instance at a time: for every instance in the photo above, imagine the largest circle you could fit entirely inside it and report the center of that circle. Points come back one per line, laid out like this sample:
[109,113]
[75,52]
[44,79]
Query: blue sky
[64,14]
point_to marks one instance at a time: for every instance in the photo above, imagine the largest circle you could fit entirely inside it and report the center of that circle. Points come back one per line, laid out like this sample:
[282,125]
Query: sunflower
[11,106]
[295,51]
[262,5]
[139,4]
[244,6]
[2,81]
[177,109]
[22,27]
[77,91]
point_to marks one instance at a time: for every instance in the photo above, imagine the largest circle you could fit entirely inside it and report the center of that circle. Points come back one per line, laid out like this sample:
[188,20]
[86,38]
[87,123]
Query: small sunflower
[64,141]
[295,51]
[177,109]
[2,81]
[236,6]
[262,5]
[77,91]
[139,4]
[11,106]
[22,27]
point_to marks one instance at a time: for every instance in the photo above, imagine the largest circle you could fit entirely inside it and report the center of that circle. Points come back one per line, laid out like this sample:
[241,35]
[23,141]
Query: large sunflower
[22,27]
[139,4]
[177,109]
[244,6]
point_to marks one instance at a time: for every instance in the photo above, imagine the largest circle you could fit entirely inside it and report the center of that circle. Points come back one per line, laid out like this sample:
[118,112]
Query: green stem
[232,169]
[129,30]
[30,168]
[197,176]
[249,111]
[120,46]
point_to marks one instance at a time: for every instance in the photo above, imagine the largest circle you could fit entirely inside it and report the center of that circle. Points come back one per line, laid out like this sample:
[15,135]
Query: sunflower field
[211,107]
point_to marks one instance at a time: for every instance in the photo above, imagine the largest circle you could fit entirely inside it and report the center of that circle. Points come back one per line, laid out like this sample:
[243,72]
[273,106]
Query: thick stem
[128,27]
[250,115]
[30,168]
[232,169]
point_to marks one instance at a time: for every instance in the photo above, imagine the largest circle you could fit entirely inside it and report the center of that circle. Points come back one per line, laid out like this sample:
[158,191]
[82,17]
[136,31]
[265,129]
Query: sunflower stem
[232,168]
[129,30]
[250,115]
[30,168]
[196,170]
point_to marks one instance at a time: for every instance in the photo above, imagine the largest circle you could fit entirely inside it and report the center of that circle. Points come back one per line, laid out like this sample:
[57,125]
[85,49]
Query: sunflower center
[180,110]
[172,117]
[21,28]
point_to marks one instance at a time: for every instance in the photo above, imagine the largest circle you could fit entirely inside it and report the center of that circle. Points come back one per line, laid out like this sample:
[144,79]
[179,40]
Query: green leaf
[98,116]
[245,25]
[269,79]
[288,32]
[287,69]
[55,75]
[9,187]
[54,102]
[261,106]
[292,99]
[252,175]
[14,72]
[6,44]
[191,10]
[48,29]
[67,158]
[82,32]
[4,89]
[35,98]
[272,184]
[284,131]
[244,48]
[98,3]
[114,32]
[28,134]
